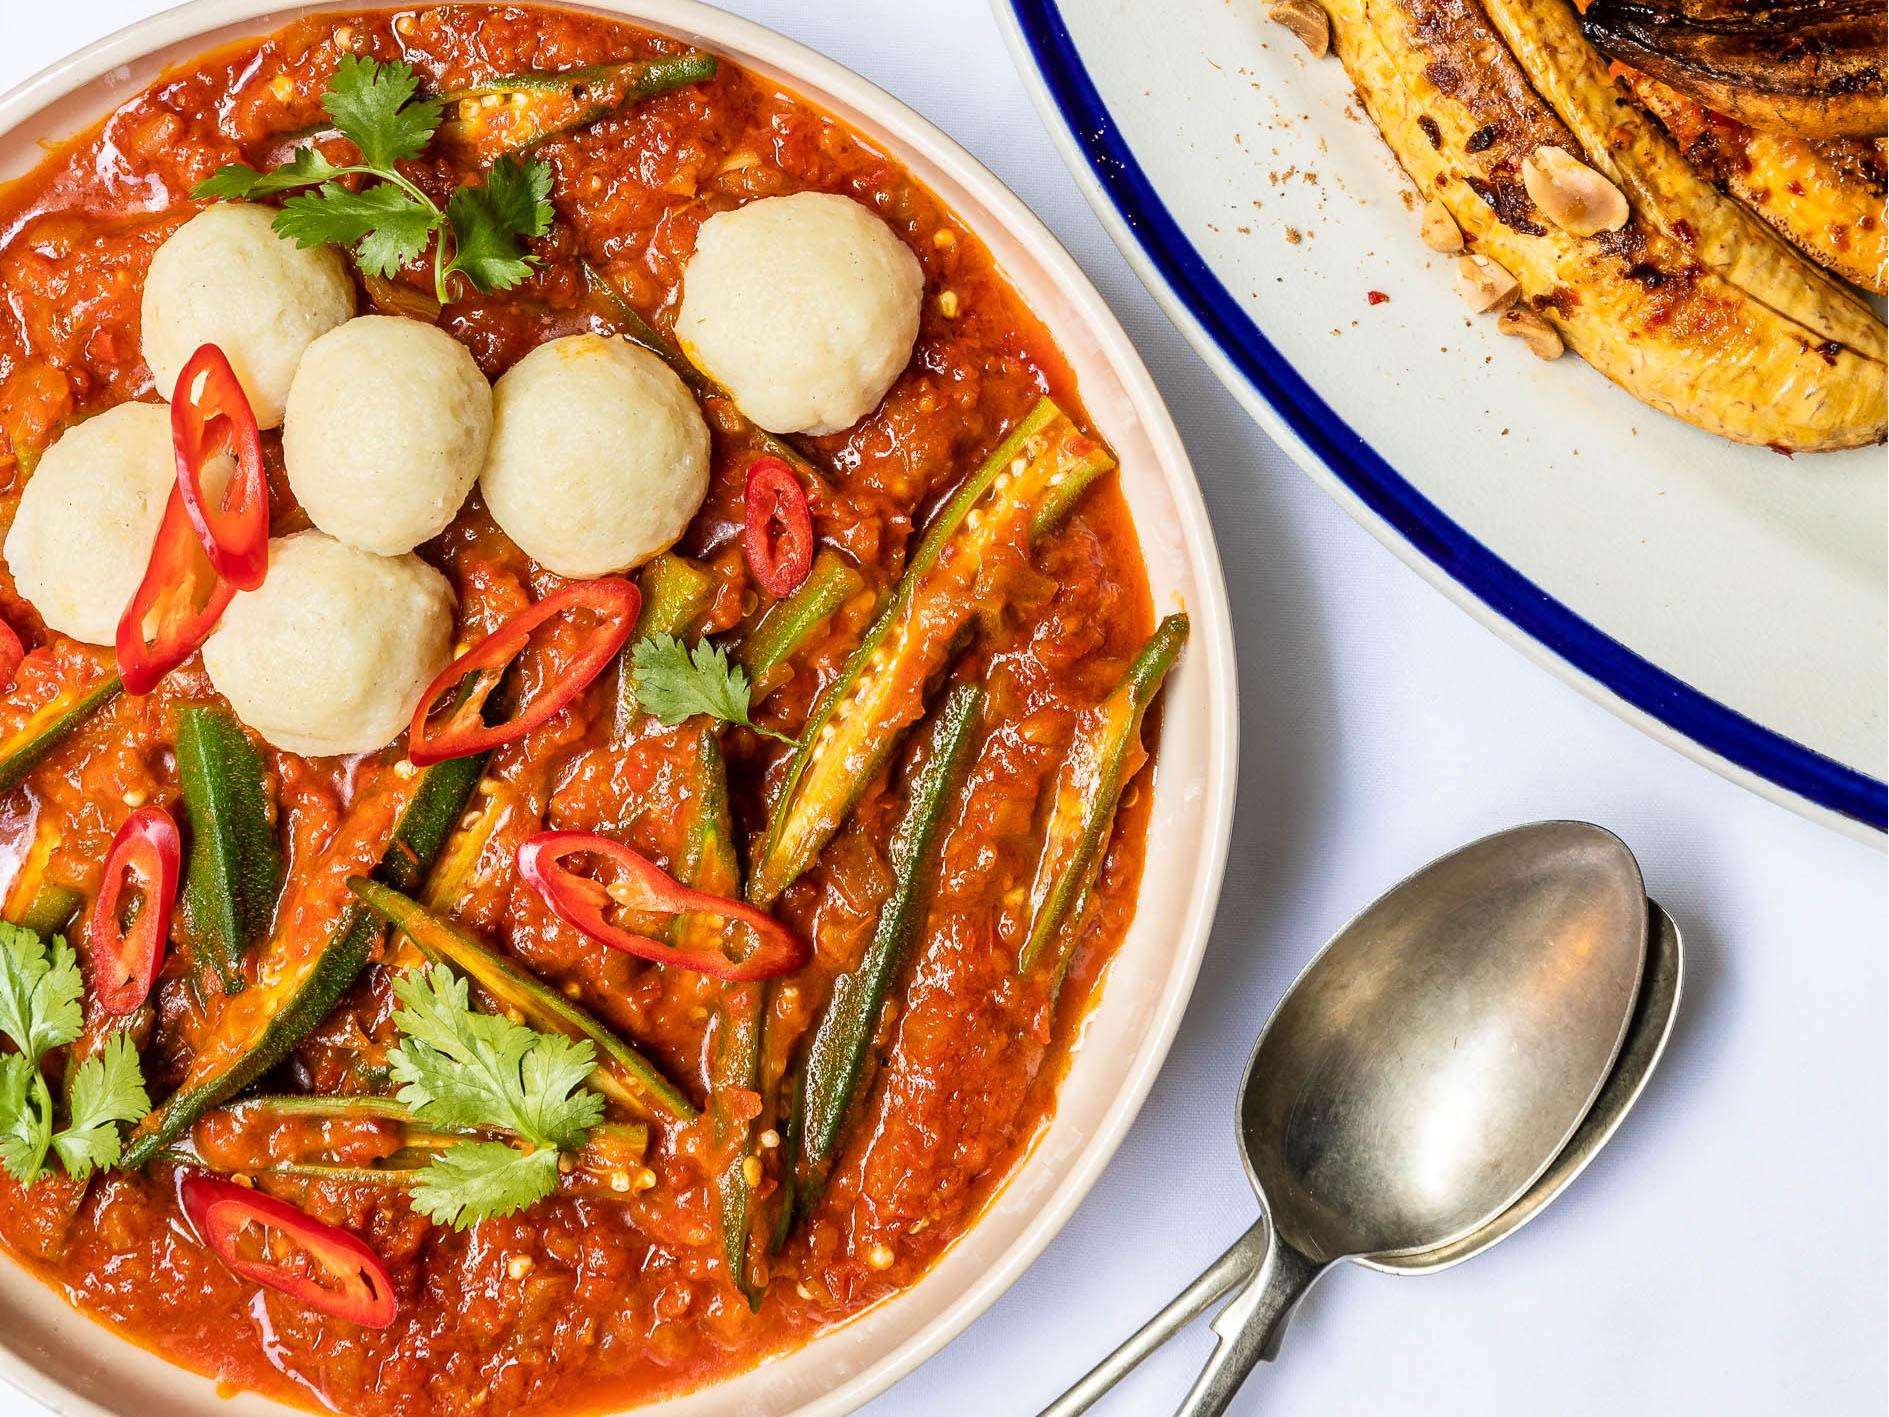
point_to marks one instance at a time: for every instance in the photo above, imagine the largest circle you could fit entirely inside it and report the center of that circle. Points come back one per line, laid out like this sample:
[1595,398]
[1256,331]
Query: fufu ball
[225,278]
[331,654]
[804,308]
[82,535]
[599,456]
[387,426]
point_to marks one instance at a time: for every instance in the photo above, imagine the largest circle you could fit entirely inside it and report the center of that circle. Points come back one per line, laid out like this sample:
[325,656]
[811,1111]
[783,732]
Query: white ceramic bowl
[65,1361]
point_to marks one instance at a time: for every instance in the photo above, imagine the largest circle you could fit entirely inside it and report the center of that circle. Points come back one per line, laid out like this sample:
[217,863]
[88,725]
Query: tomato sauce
[582,1303]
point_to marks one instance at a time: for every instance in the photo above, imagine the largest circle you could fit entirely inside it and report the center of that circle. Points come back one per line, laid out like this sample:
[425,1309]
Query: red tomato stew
[715,951]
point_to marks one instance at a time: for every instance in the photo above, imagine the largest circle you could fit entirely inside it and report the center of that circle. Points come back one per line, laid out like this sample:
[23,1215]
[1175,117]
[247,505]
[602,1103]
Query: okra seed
[518,1266]
[283,87]
[404,25]
[404,769]
[880,1256]
[620,1181]
[770,1138]
[134,797]
[751,1171]
[948,304]
[645,1180]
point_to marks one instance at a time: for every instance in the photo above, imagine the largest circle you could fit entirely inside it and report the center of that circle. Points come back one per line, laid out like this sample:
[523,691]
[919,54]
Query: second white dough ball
[599,456]
[387,426]
[332,653]
[804,308]
[81,538]
[225,278]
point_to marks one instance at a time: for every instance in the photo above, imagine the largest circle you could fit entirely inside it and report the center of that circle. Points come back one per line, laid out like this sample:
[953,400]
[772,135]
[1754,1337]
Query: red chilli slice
[176,605]
[140,881]
[211,419]
[12,652]
[269,1242]
[644,888]
[461,728]
[780,559]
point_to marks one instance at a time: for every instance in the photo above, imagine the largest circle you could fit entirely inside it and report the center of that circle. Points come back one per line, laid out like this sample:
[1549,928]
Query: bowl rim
[1211,652]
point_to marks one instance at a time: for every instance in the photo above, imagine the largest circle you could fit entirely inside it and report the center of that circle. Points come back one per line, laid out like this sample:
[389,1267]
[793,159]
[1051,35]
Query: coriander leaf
[472,1180]
[25,1118]
[107,1089]
[39,992]
[490,222]
[238,180]
[461,1068]
[673,683]
[373,106]
[391,226]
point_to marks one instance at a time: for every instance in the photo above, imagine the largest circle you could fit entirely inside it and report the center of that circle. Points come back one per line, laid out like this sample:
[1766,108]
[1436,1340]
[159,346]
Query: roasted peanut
[1571,194]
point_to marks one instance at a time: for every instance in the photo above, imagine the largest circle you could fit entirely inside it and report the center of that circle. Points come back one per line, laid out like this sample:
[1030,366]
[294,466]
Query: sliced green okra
[833,1076]
[1105,754]
[862,716]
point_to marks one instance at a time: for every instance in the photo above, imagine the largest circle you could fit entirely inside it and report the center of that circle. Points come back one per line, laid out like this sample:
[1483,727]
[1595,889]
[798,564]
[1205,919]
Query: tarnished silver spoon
[1439,1072]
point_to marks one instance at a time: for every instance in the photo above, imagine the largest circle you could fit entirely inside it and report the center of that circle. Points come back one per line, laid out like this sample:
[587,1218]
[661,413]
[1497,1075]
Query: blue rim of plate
[1715,727]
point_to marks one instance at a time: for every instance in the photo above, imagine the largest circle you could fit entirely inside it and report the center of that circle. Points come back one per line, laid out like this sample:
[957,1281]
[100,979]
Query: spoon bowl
[1442,1069]
[1436,1056]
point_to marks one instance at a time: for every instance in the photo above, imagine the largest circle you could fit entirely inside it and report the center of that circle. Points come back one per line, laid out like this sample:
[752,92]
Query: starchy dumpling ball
[332,653]
[387,426]
[599,456]
[82,534]
[225,278]
[803,307]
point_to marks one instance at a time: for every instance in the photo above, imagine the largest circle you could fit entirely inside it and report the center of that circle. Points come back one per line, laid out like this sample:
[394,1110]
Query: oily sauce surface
[580,1304]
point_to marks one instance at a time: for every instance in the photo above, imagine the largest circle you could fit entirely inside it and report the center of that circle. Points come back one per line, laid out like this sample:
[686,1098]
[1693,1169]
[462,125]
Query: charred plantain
[1637,303]
[1810,69]
[1825,197]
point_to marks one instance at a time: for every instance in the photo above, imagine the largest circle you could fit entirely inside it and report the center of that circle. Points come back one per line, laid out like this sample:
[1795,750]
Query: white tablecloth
[1725,1255]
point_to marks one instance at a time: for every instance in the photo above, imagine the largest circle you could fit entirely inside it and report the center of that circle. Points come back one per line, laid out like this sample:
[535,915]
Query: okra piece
[49,726]
[517,112]
[1106,752]
[234,874]
[880,694]
[677,594]
[788,624]
[33,899]
[298,995]
[622,1074]
[709,863]
[221,1141]
[51,910]
[836,1065]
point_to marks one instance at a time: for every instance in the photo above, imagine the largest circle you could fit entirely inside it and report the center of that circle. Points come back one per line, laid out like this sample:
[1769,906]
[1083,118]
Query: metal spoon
[1438,1073]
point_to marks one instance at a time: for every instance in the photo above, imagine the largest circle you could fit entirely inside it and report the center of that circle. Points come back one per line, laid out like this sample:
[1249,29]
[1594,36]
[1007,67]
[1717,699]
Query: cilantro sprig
[40,990]
[389,221]
[460,1068]
[674,682]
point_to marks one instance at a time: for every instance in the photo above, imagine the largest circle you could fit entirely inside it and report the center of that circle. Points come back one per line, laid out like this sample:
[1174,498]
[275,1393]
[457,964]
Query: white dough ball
[805,308]
[387,426]
[225,278]
[331,654]
[82,535]
[599,456]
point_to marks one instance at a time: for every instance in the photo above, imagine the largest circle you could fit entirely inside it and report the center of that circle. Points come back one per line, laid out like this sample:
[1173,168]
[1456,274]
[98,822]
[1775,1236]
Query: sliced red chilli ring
[777,539]
[270,1242]
[450,720]
[132,919]
[12,652]
[175,607]
[644,891]
[211,420]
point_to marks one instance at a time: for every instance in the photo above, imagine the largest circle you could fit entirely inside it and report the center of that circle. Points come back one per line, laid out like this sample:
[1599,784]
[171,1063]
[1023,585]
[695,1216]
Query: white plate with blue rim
[1728,600]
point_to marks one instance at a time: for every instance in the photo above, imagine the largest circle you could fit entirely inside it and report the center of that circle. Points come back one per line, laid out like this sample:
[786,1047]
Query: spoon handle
[1237,1264]
[1251,1325]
